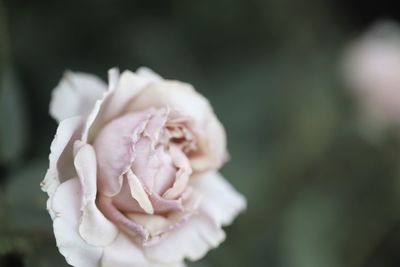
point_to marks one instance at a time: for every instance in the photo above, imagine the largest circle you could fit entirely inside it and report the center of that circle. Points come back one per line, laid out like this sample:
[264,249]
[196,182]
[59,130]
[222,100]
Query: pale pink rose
[372,72]
[133,178]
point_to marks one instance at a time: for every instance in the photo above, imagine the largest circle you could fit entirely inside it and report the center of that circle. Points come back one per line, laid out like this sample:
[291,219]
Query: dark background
[320,192]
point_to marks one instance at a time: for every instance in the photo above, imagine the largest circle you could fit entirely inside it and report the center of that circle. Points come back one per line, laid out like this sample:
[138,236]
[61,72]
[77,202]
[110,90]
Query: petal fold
[183,98]
[138,192]
[60,158]
[115,150]
[192,241]
[94,228]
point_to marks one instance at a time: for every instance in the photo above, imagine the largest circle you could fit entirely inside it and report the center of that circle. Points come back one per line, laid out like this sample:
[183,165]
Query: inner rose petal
[154,170]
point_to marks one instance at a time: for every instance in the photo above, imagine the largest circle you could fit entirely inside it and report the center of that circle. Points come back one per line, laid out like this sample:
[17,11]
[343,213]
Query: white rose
[133,177]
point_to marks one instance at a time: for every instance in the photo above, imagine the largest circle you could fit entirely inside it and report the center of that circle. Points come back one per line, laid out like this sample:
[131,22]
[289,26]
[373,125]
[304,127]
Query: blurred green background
[321,192]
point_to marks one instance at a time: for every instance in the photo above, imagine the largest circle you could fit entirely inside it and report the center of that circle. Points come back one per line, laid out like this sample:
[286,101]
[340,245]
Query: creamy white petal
[94,228]
[115,101]
[124,253]
[138,192]
[221,201]
[113,77]
[76,95]
[148,74]
[191,241]
[62,144]
[66,204]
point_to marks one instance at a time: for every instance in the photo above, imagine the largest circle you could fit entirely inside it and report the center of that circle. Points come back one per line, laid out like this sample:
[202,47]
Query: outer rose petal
[148,74]
[94,227]
[66,204]
[59,164]
[184,98]
[192,241]
[124,253]
[221,202]
[114,103]
[76,95]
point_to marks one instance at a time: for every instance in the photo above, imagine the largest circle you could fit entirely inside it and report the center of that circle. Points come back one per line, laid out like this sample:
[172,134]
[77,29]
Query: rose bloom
[133,176]
[372,72]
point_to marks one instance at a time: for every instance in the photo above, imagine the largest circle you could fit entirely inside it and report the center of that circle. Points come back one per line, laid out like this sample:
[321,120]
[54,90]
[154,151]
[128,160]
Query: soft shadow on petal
[192,241]
[182,175]
[94,228]
[66,204]
[124,253]
[76,95]
[221,202]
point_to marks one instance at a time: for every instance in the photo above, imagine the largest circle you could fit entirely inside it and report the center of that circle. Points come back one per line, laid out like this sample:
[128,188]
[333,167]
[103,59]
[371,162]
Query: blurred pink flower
[372,71]
[133,177]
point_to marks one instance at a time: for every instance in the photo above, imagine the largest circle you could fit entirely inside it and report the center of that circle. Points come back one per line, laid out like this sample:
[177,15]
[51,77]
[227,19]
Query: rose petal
[114,103]
[185,99]
[211,140]
[165,172]
[158,226]
[138,192]
[124,253]
[112,213]
[113,77]
[155,224]
[182,175]
[153,166]
[125,203]
[148,74]
[75,95]
[66,204]
[59,165]
[191,241]
[114,147]
[221,201]
[94,227]
[162,205]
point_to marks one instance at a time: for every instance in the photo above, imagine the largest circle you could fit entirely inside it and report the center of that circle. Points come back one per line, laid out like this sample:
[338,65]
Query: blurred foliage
[321,193]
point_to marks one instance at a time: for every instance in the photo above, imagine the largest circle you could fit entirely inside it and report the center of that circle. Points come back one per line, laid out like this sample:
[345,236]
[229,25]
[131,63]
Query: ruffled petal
[221,202]
[182,97]
[113,105]
[66,204]
[191,241]
[115,215]
[160,226]
[60,158]
[76,95]
[124,253]
[94,228]
[115,150]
